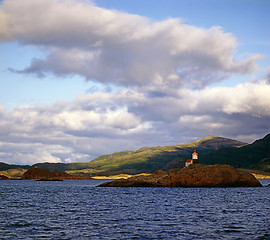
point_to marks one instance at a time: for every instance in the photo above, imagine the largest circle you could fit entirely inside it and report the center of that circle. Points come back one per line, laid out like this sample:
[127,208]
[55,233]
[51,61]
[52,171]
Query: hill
[146,159]
[251,156]
[13,173]
[150,159]
[38,173]
[212,150]
[5,166]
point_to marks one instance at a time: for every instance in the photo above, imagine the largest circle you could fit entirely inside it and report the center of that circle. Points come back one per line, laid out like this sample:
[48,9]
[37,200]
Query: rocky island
[195,175]
[44,174]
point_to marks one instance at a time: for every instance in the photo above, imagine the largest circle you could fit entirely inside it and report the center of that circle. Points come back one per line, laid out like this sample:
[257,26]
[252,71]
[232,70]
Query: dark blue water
[77,209]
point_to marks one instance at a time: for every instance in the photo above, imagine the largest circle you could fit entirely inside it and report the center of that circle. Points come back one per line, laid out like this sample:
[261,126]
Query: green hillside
[5,166]
[212,150]
[150,159]
[251,156]
[146,159]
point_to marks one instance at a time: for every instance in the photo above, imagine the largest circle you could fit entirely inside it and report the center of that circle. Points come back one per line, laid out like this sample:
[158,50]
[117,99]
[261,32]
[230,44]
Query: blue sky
[84,78]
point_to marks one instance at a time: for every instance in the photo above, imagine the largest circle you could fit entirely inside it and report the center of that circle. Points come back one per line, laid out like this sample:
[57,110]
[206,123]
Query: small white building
[188,162]
[193,160]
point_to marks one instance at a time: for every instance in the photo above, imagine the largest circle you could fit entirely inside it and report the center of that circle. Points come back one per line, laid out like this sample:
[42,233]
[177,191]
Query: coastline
[260,176]
[126,176]
[120,176]
[257,175]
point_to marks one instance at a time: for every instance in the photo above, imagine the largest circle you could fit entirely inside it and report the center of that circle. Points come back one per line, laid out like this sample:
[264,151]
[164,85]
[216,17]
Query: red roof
[189,160]
[194,153]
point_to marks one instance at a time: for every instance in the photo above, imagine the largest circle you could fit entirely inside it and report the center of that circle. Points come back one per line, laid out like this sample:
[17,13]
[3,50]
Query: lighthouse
[193,160]
[195,157]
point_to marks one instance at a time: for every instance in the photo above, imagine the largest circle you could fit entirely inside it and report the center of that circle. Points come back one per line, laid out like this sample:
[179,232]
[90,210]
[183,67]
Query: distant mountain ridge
[250,156]
[150,159]
[146,159]
[212,150]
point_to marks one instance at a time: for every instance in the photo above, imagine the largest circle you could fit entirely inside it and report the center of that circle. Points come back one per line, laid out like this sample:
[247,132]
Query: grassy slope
[147,159]
[13,173]
[150,159]
[5,166]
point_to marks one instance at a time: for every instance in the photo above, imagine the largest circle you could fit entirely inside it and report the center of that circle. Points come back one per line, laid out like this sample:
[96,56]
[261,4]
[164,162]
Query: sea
[78,209]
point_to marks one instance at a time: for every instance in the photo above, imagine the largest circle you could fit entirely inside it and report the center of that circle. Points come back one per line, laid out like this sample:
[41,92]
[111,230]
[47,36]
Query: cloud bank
[103,122]
[161,73]
[109,46]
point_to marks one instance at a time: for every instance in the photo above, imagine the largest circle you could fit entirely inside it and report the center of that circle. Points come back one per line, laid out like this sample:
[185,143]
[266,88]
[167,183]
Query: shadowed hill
[5,166]
[251,156]
[38,173]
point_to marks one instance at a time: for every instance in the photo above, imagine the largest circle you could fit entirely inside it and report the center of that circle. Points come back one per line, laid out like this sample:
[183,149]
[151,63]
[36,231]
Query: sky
[81,78]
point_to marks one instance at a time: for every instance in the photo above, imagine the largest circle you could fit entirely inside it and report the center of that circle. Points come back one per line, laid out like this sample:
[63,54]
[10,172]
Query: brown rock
[196,175]
[3,177]
[38,173]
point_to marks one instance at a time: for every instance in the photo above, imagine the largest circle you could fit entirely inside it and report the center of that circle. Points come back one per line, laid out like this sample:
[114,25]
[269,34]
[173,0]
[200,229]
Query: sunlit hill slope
[212,150]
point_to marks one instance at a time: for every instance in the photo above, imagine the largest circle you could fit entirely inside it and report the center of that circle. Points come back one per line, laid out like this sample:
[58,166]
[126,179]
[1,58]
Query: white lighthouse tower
[195,157]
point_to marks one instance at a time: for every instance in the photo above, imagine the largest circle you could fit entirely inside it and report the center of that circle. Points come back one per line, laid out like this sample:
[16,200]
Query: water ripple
[76,209]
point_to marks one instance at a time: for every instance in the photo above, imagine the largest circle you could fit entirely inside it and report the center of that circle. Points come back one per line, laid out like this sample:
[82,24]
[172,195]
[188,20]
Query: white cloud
[82,129]
[121,119]
[27,153]
[120,48]
[251,98]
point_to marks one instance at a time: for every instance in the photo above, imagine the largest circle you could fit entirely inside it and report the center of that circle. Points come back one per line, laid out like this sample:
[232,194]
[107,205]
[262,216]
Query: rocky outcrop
[2,177]
[196,175]
[38,173]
